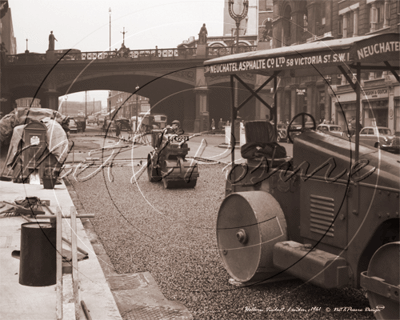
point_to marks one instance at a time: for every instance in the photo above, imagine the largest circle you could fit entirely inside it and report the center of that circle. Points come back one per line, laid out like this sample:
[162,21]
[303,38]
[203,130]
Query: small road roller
[328,215]
[167,162]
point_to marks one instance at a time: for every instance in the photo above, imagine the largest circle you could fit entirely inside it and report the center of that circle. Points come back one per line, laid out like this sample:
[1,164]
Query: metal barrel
[38,254]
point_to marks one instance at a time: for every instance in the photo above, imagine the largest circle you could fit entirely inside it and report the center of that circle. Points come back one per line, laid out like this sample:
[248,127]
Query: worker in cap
[176,127]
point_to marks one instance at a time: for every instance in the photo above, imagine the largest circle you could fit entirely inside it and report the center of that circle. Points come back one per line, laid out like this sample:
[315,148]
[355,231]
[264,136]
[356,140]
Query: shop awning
[373,52]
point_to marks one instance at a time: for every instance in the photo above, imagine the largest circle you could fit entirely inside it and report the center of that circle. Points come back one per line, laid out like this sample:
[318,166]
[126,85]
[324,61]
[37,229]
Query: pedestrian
[220,124]
[52,38]
[212,124]
[117,128]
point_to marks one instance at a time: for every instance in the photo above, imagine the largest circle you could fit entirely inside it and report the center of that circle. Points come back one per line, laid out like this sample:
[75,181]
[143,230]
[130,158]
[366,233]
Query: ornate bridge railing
[123,55]
[213,52]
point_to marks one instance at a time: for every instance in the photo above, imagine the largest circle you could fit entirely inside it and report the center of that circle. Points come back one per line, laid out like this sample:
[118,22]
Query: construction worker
[176,128]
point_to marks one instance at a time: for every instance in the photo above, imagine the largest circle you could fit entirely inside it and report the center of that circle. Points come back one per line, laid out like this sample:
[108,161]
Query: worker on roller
[175,128]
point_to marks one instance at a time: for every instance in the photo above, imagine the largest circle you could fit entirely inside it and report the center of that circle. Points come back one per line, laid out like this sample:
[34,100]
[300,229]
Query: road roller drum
[382,281]
[248,226]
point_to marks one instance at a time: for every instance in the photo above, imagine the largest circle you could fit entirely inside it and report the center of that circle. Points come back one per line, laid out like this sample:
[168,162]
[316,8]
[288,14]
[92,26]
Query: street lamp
[137,108]
[238,18]
[109,29]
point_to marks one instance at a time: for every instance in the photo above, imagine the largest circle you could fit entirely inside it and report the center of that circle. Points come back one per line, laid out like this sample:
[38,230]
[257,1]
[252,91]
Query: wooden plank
[74,251]
[59,283]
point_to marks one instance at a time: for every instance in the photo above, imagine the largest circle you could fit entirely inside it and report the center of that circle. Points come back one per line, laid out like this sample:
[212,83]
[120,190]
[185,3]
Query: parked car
[298,127]
[394,146]
[378,137]
[330,128]
[91,119]
[73,127]
[100,120]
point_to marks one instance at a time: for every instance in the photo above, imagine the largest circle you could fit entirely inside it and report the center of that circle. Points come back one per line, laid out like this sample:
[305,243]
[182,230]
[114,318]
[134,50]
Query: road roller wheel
[179,184]
[383,269]
[152,173]
[248,226]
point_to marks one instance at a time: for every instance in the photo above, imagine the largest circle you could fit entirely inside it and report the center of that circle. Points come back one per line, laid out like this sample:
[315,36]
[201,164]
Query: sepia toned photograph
[193,160]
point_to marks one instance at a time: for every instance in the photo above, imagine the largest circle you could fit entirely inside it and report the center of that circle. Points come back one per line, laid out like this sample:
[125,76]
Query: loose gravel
[171,234]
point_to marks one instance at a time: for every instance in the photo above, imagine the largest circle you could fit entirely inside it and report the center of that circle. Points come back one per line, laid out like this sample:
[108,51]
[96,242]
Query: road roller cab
[330,214]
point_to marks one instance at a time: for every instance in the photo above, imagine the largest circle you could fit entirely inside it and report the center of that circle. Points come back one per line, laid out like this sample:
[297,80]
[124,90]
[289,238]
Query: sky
[84,24]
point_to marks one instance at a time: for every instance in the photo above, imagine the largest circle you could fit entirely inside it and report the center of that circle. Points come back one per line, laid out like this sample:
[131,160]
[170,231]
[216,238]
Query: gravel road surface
[171,234]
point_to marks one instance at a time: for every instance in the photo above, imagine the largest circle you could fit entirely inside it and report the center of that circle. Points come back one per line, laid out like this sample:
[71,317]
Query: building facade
[8,45]
[330,97]
[127,104]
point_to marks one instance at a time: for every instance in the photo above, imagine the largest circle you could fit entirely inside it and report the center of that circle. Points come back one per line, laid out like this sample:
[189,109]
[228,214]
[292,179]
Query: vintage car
[73,127]
[330,128]
[91,119]
[376,136]
[393,147]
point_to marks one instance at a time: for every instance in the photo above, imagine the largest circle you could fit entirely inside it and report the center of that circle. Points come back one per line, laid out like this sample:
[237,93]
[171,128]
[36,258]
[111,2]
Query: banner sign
[278,63]
[378,48]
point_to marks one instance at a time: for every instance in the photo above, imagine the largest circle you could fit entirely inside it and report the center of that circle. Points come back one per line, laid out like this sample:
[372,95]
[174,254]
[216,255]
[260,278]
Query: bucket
[49,183]
[38,254]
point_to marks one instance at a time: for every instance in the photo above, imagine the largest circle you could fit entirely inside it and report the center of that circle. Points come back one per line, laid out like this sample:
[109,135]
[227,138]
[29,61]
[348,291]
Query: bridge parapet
[135,55]
[213,52]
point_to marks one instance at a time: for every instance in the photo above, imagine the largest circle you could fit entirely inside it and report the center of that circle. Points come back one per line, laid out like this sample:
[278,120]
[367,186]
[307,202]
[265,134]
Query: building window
[340,26]
[377,15]
[350,23]
[321,20]
[305,22]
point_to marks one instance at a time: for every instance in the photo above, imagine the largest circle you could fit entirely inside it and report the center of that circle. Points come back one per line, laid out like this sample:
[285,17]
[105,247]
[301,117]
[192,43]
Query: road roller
[329,214]
[317,216]
[168,163]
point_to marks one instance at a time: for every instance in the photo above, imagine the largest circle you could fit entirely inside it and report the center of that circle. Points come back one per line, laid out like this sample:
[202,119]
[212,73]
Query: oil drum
[248,226]
[38,254]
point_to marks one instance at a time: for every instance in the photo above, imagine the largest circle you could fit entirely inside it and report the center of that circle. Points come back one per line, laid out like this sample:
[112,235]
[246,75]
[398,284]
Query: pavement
[106,294]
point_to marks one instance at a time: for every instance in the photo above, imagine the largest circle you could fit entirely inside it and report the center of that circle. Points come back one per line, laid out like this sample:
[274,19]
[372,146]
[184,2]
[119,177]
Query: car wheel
[377,145]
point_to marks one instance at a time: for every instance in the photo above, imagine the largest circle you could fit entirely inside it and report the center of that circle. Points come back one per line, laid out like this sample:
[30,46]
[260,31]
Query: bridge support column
[7,102]
[50,99]
[202,121]
[189,112]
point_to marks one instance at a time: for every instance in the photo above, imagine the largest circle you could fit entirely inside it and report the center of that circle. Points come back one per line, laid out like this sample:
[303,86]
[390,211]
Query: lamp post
[238,18]
[137,108]
[109,29]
